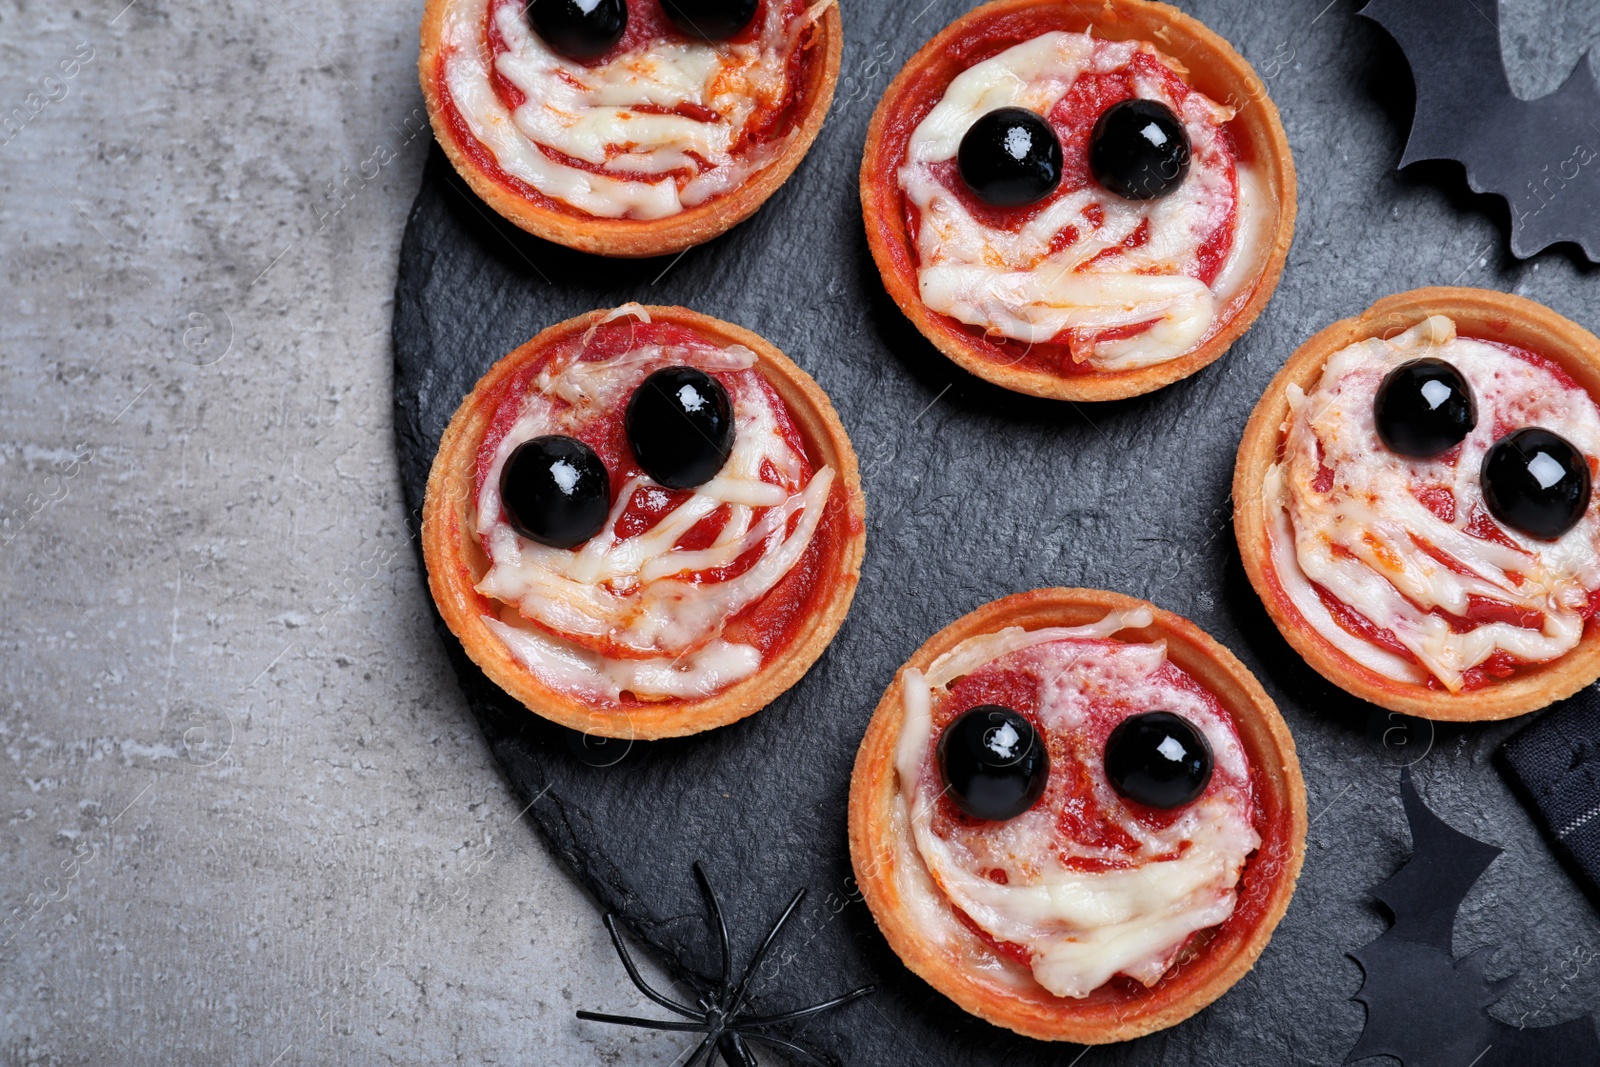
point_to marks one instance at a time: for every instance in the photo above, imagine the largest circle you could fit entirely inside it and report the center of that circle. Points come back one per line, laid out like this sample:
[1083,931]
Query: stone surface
[973,493]
[248,815]
[331,869]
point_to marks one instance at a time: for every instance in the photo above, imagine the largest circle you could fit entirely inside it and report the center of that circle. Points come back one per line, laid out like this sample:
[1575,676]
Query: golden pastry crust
[1110,1013]
[1214,68]
[456,562]
[1480,313]
[635,238]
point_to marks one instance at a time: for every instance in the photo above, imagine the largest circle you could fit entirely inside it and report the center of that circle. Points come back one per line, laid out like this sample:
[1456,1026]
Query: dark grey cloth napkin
[1555,764]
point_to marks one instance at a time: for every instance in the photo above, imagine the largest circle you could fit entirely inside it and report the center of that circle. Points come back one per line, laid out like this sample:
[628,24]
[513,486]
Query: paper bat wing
[1542,156]
[1425,1007]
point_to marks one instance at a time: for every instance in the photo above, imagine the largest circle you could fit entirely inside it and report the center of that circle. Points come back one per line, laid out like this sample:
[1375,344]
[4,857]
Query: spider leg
[735,1053]
[638,980]
[810,1057]
[699,1050]
[761,952]
[648,1024]
[790,1016]
[722,928]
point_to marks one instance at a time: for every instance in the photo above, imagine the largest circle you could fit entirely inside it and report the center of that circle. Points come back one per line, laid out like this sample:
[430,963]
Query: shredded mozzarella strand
[589,675]
[657,163]
[1360,539]
[1080,928]
[635,593]
[1017,285]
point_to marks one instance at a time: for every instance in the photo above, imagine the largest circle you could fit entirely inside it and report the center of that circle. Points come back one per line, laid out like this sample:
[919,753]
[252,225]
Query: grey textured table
[221,703]
[248,817]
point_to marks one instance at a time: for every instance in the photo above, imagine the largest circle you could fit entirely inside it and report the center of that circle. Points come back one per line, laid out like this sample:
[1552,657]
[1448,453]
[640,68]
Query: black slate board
[974,493]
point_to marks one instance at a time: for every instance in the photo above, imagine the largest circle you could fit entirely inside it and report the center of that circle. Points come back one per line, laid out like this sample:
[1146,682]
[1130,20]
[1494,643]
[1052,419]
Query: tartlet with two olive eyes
[621,127]
[1078,201]
[644,577]
[1412,504]
[1082,902]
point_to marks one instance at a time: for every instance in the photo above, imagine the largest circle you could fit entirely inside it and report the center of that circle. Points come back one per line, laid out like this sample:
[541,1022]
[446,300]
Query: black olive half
[579,29]
[712,20]
[680,423]
[993,762]
[1424,407]
[555,491]
[1010,157]
[1158,759]
[1537,482]
[1139,149]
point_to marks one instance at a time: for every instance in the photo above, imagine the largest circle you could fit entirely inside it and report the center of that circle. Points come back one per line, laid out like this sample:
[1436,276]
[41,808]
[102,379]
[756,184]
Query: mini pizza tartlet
[1077,816]
[1078,201]
[644,605]
[625,127]
[1412,504]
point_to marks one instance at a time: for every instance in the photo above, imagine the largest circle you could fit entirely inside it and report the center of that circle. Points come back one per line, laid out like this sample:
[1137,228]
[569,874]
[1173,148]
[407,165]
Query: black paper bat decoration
[1542,156]
[1425,1007]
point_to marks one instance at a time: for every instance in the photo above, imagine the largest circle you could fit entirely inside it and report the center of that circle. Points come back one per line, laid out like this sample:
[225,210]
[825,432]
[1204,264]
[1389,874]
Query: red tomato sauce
[771,622]
[1073,120]
[647,22]
[1070,792]
[1544,363]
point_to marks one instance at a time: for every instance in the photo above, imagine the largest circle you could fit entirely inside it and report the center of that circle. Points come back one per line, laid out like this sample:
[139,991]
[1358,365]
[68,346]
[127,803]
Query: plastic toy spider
[720,1014]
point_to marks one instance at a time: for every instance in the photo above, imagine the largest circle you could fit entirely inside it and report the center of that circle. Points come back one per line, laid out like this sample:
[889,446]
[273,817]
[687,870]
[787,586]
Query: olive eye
[680,423]
[1010,157]
[1158,759]
[1139,149]
[1537,482]
[1424,407]
[555,491]
[714,20]
[993,763]
[579,29]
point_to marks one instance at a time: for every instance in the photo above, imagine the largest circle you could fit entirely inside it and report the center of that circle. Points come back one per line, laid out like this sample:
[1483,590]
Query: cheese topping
[666,120]
[1083,911]
[1408,544]
[639,613]
[1088,261]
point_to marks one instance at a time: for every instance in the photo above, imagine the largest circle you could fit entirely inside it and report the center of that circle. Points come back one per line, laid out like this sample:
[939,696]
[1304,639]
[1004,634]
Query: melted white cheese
[574,669]
[634,592]
[1014,285]
[1080,928]
[1373,517]
[660,164]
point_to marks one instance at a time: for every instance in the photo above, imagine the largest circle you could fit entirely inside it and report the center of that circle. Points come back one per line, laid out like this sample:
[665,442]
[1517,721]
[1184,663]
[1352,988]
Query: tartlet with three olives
[644,523]
[1077,816]
[1413,505]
